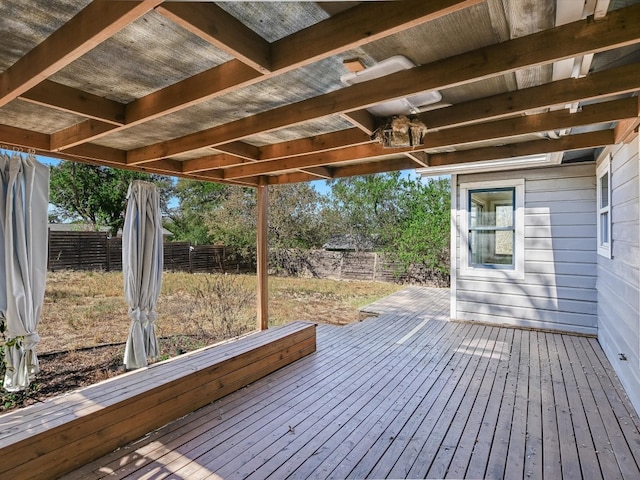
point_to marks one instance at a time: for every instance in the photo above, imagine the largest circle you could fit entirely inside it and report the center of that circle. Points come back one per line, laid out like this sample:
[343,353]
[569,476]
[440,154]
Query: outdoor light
[400,131]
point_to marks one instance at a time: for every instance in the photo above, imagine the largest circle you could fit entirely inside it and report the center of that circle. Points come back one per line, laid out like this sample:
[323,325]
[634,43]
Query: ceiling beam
[591,114]
[75,134]
[206,85]
[362,119]
[357,26]
[91,26]
[594,87]
[213,24]
[236,73]
[547,46]
[210,163]
[596,113]
[597,85]
[389,165]
[568,143]
[71,100]
[240,149]
[21,138]
[317,143]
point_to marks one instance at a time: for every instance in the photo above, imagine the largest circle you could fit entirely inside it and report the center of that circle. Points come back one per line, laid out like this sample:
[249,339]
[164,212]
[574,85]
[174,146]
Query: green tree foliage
[407,218]
[96,195]
[294,218]
[365,206]
[196,199]
[422,234]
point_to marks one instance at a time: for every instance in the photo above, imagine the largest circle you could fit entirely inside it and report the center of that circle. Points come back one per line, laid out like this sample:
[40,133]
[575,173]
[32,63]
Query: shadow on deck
[407,394]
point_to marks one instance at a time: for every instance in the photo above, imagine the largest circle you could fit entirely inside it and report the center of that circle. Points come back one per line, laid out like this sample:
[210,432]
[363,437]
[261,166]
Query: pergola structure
[259,94]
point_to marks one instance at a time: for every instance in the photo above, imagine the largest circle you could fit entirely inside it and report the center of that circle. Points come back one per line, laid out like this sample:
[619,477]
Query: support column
[263,255]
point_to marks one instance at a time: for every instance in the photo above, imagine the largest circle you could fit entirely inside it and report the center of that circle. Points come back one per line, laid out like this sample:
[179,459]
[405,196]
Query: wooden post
[263,255]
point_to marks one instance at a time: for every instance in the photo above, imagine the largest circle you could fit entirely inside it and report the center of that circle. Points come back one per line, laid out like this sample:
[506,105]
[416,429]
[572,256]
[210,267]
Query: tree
[422,235]
[196,200]
[97,195]
[366,206]
[406,218]
[295,219]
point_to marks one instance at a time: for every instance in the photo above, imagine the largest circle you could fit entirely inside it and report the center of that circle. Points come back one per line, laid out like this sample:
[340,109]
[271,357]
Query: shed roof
[251,93]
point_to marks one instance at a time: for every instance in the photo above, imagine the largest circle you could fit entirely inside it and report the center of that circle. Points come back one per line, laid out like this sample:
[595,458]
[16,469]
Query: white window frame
[604,248]
[517,272]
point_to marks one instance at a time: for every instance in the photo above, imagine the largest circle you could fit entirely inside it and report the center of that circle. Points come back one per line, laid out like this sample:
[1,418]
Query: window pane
[604,228]
[491,208]
[490,247]
[604,190]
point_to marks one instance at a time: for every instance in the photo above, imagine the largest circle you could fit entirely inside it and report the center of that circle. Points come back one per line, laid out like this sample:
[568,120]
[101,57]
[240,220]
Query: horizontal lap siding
[558,289]
[618,278]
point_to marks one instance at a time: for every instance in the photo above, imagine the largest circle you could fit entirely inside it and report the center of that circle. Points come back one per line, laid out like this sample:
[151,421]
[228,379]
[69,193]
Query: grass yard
[84,321]
[84,309]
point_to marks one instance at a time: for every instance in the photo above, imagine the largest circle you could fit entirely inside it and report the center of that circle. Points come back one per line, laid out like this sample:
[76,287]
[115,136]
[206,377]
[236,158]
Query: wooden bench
[63,433]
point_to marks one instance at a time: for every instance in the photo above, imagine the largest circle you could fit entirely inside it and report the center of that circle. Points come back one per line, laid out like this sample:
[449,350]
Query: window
[492,228]
[603,174]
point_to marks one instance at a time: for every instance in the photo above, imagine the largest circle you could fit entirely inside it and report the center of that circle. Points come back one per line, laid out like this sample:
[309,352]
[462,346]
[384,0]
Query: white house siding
[558,288]
[618,278]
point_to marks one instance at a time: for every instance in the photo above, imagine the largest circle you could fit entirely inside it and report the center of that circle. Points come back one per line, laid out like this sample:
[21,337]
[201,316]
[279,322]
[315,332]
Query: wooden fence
[96,251]
[351,266]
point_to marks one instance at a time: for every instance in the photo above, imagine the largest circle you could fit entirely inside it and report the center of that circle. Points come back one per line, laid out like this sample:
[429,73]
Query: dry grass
[84,309]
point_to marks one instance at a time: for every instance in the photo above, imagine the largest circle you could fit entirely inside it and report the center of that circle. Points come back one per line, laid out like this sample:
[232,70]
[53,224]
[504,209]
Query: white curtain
[24,203]
[142,261]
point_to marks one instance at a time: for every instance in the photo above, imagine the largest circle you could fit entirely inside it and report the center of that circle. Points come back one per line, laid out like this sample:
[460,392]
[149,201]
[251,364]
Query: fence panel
[177,256]
[78,251]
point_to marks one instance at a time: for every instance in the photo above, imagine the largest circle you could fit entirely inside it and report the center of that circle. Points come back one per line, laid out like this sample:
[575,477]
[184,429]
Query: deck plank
[551,456]
[459,400]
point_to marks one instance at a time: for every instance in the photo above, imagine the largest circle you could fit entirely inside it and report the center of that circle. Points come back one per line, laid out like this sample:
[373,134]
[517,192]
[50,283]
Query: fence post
[375,264]
[108,262]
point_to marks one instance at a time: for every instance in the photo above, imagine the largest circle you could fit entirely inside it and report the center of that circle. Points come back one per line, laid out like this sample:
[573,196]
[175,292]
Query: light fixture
[398,125]
[409,105]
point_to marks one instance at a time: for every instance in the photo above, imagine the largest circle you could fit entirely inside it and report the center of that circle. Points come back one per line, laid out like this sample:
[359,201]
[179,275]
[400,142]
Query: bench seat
[63,433]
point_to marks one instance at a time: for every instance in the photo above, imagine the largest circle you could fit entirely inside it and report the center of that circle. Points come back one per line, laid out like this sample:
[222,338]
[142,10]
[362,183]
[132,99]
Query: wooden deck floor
[408,395]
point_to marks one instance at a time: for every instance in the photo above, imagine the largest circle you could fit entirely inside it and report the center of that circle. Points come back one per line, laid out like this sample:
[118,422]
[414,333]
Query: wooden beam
[420,158]
[191,91]
[213,24]
[603,112]
[626,130]
[361,119]
[99,152]
[389,165]
[240,149]
[357,26]
[76,134]
[210,162]
[557,120]
[229,76]
[320,172]
[91,26]
[22,138]
[615,30]
[595,86]
[570,142]
[317,143]
[68,99]
[263,255]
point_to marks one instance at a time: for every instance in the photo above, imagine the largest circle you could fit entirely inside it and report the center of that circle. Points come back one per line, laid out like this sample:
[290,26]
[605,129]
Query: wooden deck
[408,395]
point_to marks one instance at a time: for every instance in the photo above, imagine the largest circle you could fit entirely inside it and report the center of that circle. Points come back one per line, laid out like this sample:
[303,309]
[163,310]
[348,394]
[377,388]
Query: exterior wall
[558,287]
[618,278]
